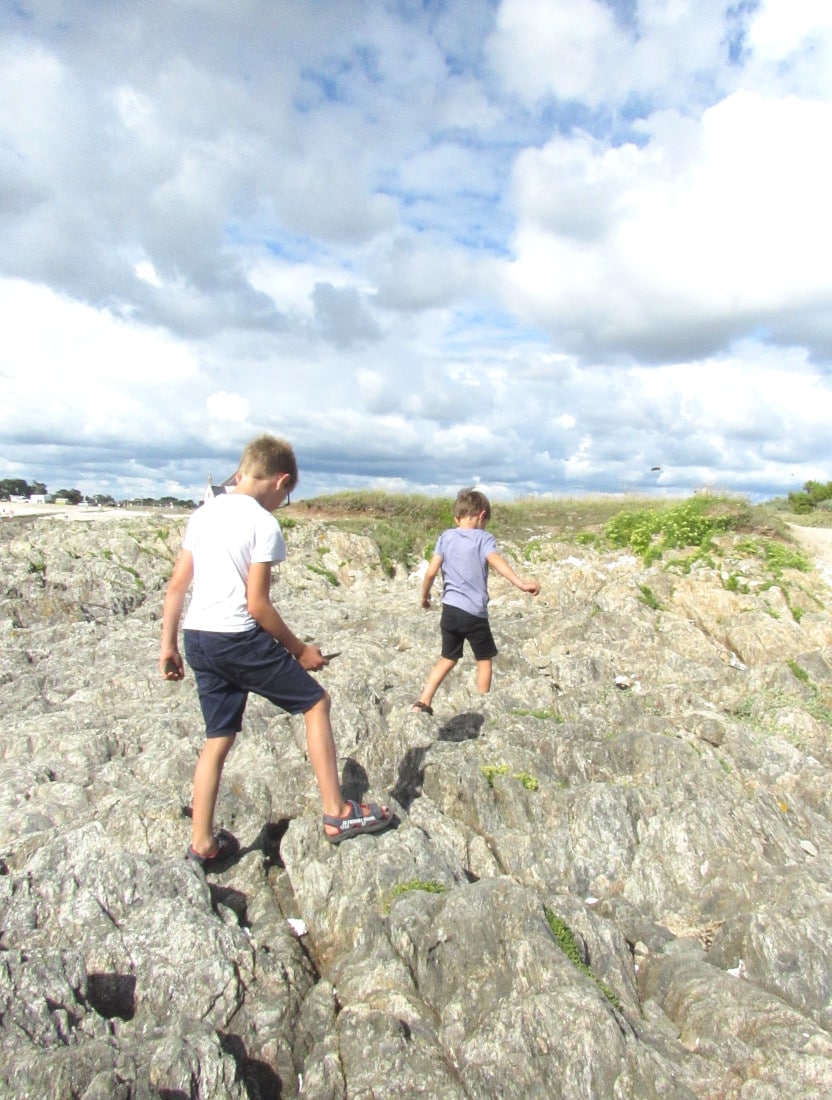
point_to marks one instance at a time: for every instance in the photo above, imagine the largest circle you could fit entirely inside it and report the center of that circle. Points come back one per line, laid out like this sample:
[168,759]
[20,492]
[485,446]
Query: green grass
[425,886]
[404,527]
[565,939]
[799,673]
[529,712]
[491,771]
[649,597]
[693,522]
[327,574]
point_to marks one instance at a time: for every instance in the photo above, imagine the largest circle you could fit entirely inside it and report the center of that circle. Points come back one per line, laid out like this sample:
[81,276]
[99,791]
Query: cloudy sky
[541,246]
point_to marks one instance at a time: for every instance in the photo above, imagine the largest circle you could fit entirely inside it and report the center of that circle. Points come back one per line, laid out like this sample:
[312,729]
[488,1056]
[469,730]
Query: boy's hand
[532,587]
[426,601]
[171,665]
[311,658]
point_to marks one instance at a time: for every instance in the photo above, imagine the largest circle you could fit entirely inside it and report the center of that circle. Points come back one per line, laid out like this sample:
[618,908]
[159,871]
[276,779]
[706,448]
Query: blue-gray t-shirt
[465,553]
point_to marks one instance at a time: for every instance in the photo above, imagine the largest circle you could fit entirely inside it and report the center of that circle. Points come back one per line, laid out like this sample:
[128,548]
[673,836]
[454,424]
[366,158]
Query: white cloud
[527,244]
[789,44]
[227,406]
[676,244]
[581,51]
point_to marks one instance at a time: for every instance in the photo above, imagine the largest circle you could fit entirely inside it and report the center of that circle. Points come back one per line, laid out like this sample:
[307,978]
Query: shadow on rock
[464,727]
[354,780]
[113,996]
[258,1078]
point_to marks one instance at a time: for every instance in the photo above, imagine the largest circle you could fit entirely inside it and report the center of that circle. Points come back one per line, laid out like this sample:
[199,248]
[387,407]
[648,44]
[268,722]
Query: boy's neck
[255,487]
[471,522]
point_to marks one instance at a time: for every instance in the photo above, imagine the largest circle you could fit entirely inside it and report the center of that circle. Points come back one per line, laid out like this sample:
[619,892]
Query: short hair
[470,502]
[265,455]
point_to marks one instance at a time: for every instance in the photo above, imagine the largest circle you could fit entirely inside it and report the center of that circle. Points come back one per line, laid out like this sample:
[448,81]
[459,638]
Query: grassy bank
[405,526]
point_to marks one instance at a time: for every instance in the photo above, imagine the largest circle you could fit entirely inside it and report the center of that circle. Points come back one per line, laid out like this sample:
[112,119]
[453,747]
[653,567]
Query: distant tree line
[19,487]
[812,494]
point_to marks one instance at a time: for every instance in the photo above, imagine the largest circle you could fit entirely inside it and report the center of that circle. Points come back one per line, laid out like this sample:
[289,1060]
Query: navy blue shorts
[227,667]
[458,626]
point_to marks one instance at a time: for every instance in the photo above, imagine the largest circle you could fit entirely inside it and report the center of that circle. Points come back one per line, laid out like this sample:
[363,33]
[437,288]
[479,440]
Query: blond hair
[266,456]
[470,502]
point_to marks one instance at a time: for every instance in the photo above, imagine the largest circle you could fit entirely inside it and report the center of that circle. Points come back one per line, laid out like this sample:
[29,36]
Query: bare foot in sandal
[362,817]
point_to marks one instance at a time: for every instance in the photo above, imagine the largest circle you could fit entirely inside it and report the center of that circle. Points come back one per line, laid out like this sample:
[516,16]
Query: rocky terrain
[611,877]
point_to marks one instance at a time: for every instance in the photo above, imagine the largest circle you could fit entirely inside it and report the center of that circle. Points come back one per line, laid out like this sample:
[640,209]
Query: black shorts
[458,626]
[228,666]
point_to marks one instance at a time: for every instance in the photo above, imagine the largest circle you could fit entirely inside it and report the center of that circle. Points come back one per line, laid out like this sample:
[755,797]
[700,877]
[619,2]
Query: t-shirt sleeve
[191,529]
[268,544]
[488,545]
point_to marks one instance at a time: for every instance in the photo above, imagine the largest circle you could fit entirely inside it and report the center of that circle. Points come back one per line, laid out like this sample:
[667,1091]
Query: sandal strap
[356,817]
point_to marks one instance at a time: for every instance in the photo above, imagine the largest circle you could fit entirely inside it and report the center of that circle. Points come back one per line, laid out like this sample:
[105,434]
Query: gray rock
[610,877]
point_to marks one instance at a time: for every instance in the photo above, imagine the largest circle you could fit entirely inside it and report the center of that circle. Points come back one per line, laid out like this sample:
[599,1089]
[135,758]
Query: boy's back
[464,552]
[225,536]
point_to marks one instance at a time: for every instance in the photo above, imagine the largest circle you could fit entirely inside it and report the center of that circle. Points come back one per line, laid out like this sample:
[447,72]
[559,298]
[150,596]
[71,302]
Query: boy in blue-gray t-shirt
[464,553]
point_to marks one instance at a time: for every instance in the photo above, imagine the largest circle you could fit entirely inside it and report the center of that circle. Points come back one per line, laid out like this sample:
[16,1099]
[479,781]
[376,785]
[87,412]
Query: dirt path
[817,541]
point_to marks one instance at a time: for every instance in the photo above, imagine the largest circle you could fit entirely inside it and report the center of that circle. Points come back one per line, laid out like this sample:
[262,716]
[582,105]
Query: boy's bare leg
[206,787]
[320,745]
[435,677]
[484,676]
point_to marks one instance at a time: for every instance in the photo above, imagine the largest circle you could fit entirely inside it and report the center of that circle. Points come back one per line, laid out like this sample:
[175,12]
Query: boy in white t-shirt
[464,554]
[236,642]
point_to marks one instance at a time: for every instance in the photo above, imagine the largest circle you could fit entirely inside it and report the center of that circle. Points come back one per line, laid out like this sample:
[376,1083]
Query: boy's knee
[324,704]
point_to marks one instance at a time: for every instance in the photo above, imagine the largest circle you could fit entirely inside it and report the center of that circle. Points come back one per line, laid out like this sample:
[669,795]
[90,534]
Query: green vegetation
[528,712]
[18,487]
[530,782]
[693,522]
[426,886]
[779,556]
[759,709]
[813,495]
[327,574]
[134,573]
[799,673]
[649,597]
[565,939]
[491,771]
[404,527]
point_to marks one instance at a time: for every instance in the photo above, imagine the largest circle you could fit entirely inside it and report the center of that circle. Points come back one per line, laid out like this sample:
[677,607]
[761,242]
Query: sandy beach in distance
[12,510]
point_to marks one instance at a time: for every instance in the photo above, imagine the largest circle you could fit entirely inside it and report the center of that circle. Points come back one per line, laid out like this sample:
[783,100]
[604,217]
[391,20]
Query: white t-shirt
[225,536]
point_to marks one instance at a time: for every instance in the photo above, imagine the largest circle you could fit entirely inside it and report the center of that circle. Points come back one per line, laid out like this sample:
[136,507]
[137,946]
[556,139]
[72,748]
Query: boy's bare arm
[501,566]
[171,664]
[434,565]
[261,608]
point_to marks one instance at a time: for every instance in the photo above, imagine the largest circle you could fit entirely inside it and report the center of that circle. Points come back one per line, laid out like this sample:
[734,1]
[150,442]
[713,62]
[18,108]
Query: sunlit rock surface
[611,877]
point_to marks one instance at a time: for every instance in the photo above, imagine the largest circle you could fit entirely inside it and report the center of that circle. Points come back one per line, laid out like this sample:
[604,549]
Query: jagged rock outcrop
[611,877]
